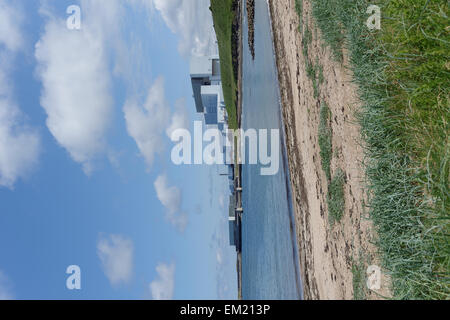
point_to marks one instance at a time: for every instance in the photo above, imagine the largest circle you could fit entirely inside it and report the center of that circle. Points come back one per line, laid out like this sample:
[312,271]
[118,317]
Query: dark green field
[223,17]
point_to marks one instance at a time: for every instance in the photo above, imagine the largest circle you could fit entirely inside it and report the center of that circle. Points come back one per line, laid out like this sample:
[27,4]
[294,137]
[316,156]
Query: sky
[86,177]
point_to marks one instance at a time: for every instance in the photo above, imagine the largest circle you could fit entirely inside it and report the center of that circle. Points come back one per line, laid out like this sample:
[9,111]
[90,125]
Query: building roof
[201,67]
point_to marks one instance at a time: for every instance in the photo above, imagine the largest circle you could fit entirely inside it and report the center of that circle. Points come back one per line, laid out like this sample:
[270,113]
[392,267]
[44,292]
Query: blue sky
[85,172]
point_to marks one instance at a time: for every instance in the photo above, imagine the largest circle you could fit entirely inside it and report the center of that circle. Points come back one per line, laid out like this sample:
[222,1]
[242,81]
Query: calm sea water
[270,267]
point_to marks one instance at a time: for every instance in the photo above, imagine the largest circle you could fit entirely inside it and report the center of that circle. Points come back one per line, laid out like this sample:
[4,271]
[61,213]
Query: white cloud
[76,96]
[116,255]
[146,124]
[10,21]
[180,118]
[19,144]
[163,287]
[5,288]
[192,21]
[170,198]
[105,18]
[73,67]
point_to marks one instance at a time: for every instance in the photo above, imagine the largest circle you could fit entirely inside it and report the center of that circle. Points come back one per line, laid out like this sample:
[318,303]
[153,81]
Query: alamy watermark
[374,278]
[73,22]
[213,147]
[73,282]
[374,21]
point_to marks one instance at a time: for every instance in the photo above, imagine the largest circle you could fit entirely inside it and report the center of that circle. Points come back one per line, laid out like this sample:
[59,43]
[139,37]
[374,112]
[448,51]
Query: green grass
[317,77]
[314,71]
[335,197]
[223,16]
[321,77]
[328,20]
[403,76]
[299,9]
[325,140]
[360,291]
[306,42]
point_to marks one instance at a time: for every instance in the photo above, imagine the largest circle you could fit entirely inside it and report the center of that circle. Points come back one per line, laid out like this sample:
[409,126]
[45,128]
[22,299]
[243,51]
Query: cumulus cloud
[76,95]
[170,198]
[10,20]
[76,88]
[163,287]
[192,21]
[116,256]
[106,19]
[180,118]
[19,144]
[146,123]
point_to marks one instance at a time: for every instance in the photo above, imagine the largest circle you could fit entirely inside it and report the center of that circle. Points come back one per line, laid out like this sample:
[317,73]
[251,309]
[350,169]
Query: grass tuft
[325,140]
[327,14]
[335,197]
[360,291]
[299,9]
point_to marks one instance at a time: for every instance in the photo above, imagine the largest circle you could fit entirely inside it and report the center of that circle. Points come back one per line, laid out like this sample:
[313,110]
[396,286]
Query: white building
[207,89]
[208,95]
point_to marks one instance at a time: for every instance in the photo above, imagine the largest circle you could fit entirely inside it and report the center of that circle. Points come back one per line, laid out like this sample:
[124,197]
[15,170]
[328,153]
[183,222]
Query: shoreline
[239,117]
[329,253]
[250,5]
[291,139]
[236,40]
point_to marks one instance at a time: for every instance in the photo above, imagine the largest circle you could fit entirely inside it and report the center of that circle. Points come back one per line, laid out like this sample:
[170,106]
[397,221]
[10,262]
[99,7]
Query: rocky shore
[236,50]
[251,26]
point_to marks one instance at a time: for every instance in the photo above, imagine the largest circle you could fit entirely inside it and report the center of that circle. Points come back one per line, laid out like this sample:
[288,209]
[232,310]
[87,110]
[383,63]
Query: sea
[270,260]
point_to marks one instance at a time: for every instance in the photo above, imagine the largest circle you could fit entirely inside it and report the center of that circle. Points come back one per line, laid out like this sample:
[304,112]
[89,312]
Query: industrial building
[207,90]
[209,101]
[234,225]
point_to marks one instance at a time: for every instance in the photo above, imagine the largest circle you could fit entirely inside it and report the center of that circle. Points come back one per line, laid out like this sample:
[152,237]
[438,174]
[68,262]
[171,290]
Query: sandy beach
[327,252]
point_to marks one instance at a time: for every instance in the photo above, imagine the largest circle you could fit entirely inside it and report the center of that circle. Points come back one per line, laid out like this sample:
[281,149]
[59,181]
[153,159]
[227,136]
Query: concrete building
[207,89]
[206,68]
[209,101]
[234,227]
[211,97]
[208,95]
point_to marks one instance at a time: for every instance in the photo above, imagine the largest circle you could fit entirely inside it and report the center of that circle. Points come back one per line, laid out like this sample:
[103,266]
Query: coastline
[328,253]
[239,117]
[250,8]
